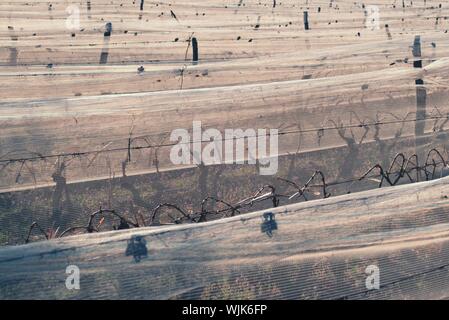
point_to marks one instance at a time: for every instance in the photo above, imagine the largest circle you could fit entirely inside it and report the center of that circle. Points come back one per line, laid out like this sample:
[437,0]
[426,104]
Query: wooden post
[421,96]
[306,20]
[108,31]
[105,50]
[195,50]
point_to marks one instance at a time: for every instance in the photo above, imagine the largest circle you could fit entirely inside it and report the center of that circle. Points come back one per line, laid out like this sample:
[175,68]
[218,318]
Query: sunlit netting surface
[358,85]
[91,118]
[315,250]
[357,92]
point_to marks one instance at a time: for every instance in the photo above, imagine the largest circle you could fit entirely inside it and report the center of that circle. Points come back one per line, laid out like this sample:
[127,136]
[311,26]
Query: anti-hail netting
[85,145]
[207,192]
[79,137]
[310,250]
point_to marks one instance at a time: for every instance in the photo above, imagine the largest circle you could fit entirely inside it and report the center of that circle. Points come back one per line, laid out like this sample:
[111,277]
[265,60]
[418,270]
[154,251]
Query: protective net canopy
[324,249]
[85,132]
[357,95]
